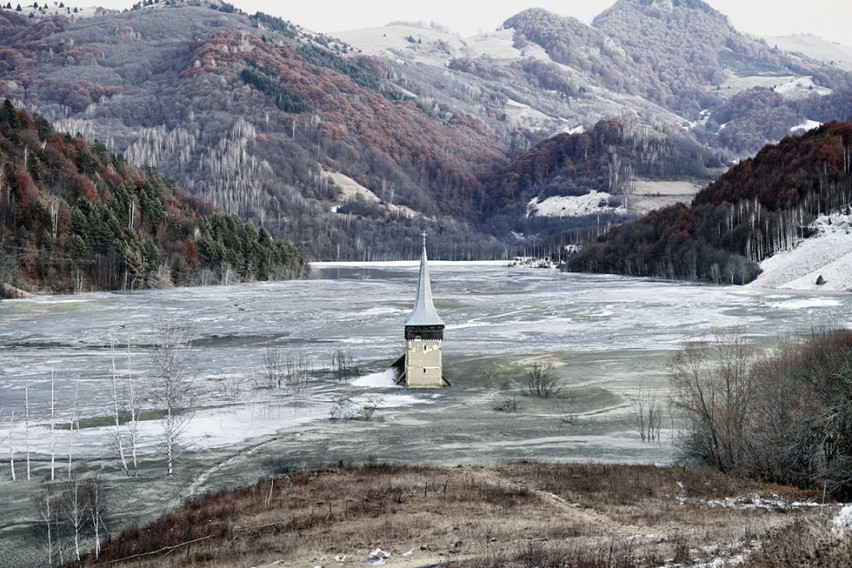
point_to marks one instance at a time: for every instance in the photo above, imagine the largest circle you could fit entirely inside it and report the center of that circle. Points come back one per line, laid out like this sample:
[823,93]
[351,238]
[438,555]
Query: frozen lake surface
[609,335]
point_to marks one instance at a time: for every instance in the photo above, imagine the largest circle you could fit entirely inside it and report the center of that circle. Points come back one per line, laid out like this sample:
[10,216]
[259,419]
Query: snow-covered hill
[827,254]
[827,52]
[435,45]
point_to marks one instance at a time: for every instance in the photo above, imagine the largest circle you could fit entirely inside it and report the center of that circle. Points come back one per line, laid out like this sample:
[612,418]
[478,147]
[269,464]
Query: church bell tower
[424,336]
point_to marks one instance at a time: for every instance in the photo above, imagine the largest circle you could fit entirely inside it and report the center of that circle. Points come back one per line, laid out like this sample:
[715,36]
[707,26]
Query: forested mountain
[742,92]
[352,148]
[74,216]
[672,63]
[756,209]
[256,116]
[604,161]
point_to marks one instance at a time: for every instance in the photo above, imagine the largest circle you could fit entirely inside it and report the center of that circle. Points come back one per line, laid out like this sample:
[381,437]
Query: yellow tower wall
[423,363]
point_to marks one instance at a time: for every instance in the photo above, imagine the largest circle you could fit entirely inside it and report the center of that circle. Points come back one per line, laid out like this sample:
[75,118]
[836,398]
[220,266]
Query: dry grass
[803,543]
[524,514]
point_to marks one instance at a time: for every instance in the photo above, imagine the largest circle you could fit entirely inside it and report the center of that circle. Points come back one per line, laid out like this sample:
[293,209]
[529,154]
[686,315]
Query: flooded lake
[608,336]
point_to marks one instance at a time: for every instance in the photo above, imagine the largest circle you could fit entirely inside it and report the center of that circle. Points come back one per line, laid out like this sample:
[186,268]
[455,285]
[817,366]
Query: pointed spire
[424,311]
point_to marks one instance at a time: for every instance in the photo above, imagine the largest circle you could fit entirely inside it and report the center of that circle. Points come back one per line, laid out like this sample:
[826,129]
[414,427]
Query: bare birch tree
[27,426]
[73,424]
[46,506]
[133,425]
[117,434]
[96,499]
[12,446]
[175,394]
[52,426]
[75,509]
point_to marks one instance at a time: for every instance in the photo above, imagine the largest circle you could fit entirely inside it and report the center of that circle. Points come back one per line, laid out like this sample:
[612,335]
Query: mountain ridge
[253,113]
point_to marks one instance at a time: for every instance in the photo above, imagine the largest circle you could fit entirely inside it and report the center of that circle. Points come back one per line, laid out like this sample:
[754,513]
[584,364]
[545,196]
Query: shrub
[785,418]
[541,382]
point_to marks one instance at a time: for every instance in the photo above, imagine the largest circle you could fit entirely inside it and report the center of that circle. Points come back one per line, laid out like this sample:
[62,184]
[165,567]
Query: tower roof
[424,311]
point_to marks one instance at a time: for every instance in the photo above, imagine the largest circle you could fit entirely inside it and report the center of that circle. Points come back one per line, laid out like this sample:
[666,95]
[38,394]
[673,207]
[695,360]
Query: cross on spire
[423,234]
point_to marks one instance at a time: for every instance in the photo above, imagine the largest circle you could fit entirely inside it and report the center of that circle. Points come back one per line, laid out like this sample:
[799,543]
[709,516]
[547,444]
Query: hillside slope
[579,182]
[74,217]
[676,65]
[523,514]
[820,262]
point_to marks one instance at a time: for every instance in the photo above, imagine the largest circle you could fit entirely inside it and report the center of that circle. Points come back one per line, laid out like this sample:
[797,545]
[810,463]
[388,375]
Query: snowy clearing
[648,195]
[422,43]
[805,126]
[789,86]
[406,41]
[524,115]
[350,189]
[827,254]
[594,202]
[498,44]
[801,87]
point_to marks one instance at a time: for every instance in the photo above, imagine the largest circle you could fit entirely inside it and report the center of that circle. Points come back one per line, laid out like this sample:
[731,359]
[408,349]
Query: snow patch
[377,380]
[594,202]
[756,502]
[350,189]
[377,557]
[841,525]
[807,303]
[801,87]
[828,254]
[805,126]
[531,262]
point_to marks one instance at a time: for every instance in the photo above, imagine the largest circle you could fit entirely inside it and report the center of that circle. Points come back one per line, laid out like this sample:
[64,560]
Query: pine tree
[11,112]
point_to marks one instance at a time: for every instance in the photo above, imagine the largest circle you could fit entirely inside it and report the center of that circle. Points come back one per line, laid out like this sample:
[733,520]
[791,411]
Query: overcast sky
[829,19]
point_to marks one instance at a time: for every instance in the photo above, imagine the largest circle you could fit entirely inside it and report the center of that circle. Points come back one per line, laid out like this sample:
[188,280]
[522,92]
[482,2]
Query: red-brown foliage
[25,189]
[86,189]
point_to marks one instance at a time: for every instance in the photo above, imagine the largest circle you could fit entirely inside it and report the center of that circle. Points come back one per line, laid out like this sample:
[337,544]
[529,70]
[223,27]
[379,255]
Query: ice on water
[360,308]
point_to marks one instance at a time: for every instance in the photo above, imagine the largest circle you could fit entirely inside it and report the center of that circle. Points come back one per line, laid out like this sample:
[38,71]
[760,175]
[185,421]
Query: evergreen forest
[74,217]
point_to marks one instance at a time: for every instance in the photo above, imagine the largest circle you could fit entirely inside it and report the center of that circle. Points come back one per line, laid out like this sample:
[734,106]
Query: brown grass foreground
[524,514]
